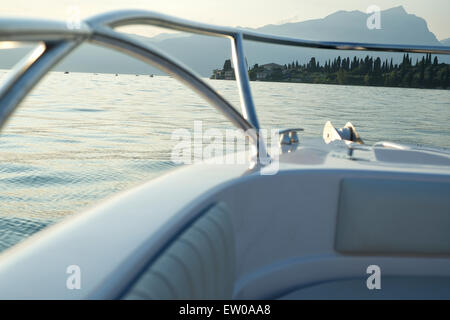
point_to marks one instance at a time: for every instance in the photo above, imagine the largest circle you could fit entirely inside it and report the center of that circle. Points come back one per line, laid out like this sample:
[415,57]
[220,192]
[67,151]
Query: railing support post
[243,81]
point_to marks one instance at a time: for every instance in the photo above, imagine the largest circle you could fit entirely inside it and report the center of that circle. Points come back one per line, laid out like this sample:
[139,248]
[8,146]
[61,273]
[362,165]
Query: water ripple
[80,138]
[13,230]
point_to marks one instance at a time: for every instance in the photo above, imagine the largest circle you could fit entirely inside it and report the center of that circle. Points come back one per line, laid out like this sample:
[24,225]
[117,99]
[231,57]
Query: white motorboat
[327,218]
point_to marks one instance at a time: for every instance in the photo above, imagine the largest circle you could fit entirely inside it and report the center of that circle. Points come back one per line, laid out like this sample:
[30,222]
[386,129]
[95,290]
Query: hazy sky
[246,13]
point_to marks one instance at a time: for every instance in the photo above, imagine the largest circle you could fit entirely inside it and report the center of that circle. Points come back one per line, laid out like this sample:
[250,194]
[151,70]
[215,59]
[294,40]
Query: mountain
[203,53]
[397,27]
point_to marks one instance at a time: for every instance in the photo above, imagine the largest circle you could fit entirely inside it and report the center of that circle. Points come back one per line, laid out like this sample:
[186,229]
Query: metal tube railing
[60,41]
[130,17]
[27,73]
[148,54]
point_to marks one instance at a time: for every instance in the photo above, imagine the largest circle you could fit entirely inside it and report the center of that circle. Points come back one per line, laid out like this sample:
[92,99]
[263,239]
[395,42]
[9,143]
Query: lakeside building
[226,73]
[219,74]
[267,70]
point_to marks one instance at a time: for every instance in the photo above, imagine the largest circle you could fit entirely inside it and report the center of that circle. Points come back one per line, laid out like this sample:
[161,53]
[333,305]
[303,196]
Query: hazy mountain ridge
[397,27]
[203,53]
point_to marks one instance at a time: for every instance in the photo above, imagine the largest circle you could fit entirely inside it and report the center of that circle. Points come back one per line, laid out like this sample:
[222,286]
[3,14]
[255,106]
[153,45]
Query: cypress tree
[435,62]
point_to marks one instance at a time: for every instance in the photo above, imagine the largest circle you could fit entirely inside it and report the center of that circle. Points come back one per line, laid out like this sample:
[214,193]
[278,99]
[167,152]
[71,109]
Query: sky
[244,13]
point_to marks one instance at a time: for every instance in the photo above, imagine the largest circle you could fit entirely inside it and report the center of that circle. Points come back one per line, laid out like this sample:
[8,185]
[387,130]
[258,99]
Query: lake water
[79,138]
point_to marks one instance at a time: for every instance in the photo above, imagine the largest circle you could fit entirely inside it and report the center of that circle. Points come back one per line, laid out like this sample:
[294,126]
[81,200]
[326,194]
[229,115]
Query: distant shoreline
[5,71]
[336,84]
[349,85]
[427,73]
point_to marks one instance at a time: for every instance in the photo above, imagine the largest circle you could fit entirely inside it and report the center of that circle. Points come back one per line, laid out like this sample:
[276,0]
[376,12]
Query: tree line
[426,72]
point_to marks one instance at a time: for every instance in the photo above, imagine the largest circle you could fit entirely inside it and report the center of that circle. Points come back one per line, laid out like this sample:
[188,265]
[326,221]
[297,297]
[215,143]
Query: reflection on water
[82,137]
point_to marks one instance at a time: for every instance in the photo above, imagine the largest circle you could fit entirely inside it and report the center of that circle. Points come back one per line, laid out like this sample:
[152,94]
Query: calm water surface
[79,138]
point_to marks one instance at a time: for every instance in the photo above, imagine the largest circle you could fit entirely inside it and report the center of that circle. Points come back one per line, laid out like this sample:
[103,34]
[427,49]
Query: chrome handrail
[121,18]
[57,41]
[27,73]
[149,54]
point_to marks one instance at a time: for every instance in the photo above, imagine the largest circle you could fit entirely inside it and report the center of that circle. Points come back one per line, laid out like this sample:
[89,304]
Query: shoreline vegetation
[426,73]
